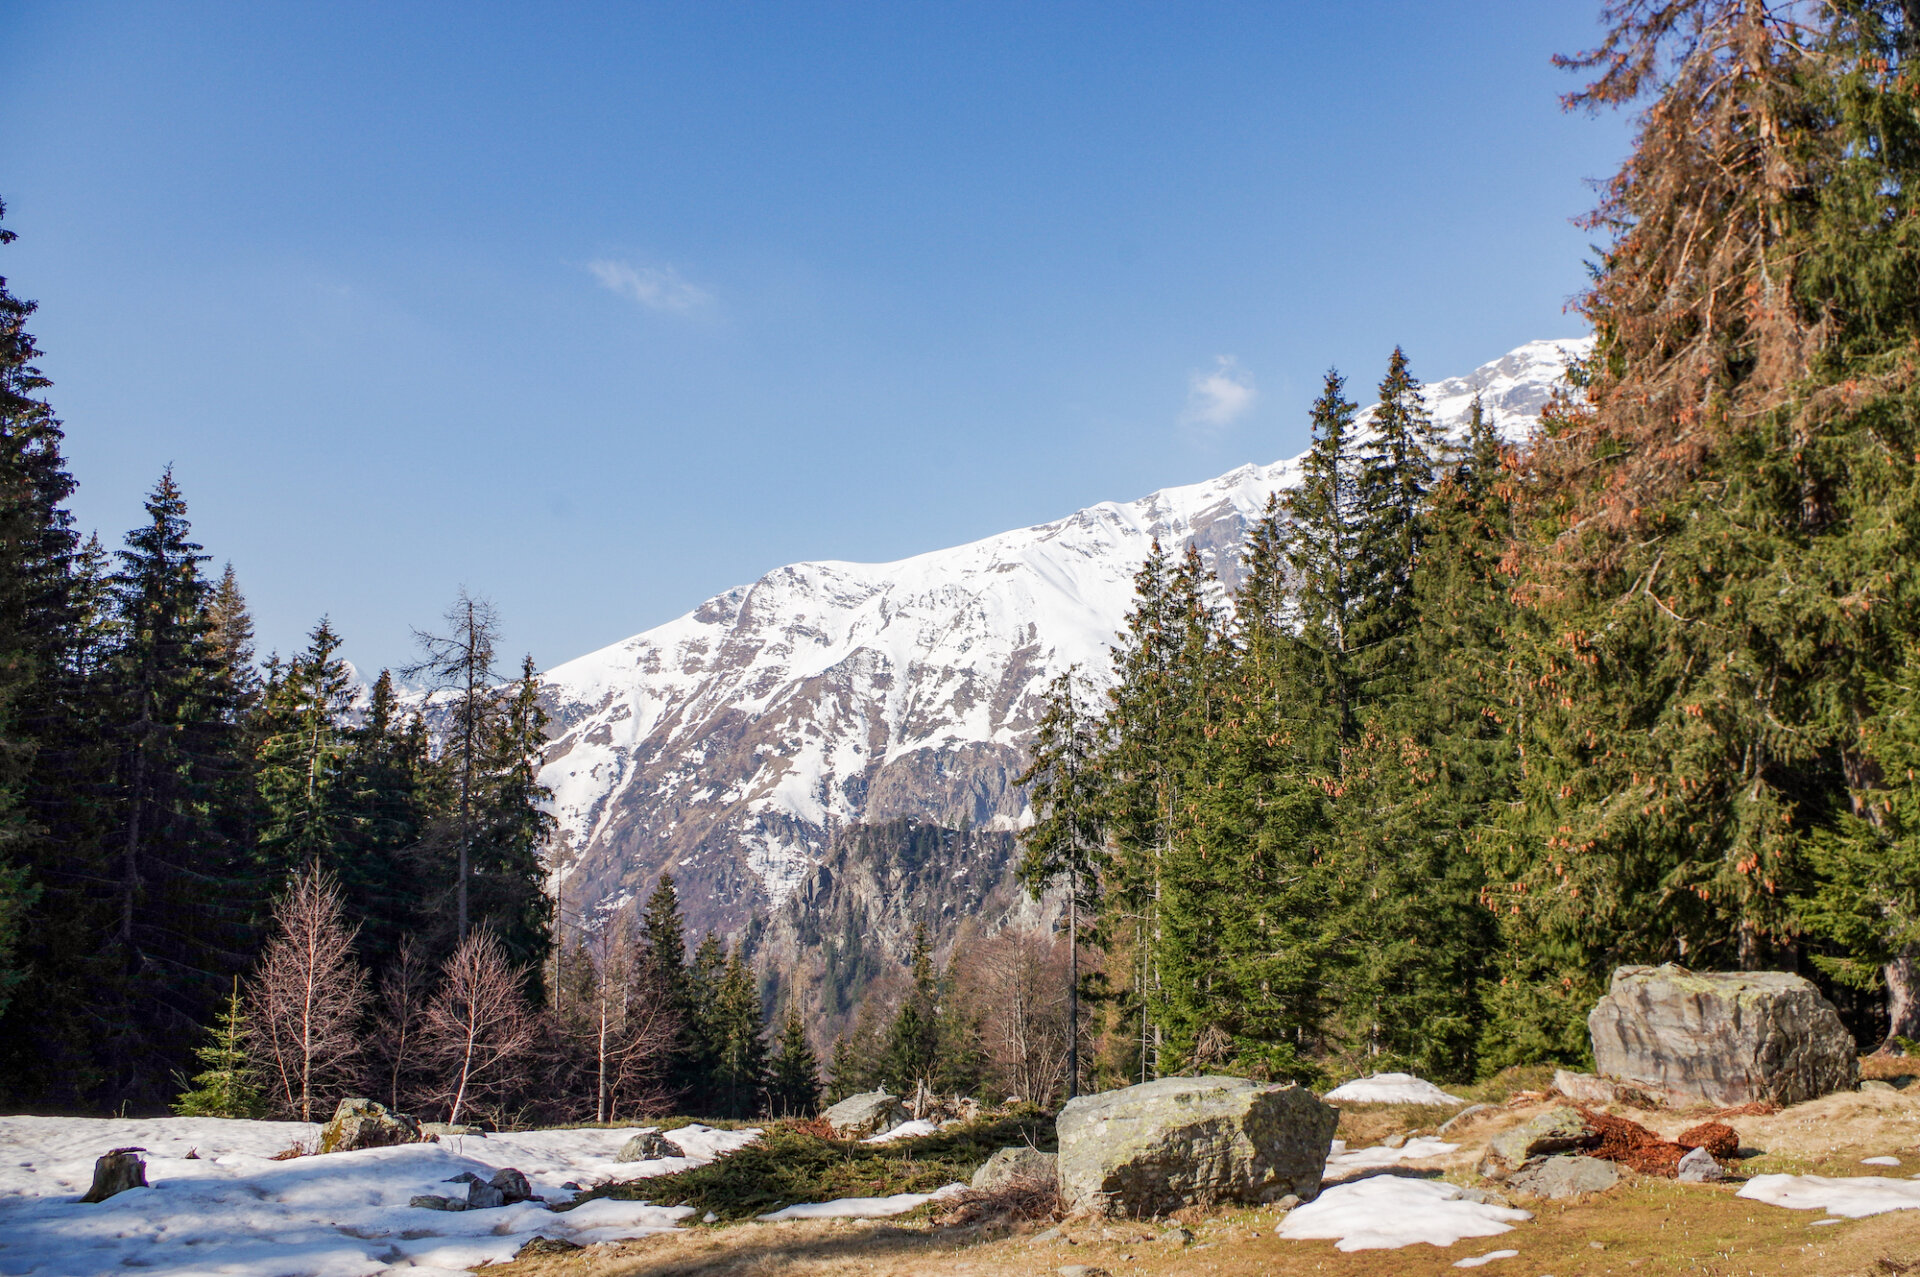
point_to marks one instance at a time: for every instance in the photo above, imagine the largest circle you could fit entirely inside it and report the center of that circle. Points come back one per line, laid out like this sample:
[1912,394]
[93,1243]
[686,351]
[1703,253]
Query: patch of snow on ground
[1392,1088]
[1880,1161]
[864,1207]
[904,1131]
[233,1210]
[1386,1212]
[1341,1163]
[1475,1261]
[1852,1198]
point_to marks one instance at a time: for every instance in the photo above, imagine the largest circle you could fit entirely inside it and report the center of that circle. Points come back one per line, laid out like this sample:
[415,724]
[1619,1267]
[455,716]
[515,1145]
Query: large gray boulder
[1192,1141]
[1012,1165]
[1721,1037]
[361,1123]
[871,1113]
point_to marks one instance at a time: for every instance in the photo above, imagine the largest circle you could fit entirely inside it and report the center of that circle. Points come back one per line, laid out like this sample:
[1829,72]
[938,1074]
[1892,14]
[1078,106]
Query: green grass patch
[788,1166]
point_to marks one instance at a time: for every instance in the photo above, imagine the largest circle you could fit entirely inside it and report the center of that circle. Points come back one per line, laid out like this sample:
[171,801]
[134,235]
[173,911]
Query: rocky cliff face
[731,745]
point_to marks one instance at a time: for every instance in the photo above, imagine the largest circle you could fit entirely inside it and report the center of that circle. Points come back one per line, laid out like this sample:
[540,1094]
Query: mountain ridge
[731,743]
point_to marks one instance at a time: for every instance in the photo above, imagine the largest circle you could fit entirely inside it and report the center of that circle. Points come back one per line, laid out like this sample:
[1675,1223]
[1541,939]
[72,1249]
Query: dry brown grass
[1646,1228]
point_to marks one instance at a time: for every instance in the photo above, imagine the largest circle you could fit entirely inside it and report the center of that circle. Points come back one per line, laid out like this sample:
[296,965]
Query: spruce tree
[793,1075]
[913,1056]
[302,765]
[740,1059]
[387,782]
[227,1086]
[1066,842]
[180,890]
[511,825]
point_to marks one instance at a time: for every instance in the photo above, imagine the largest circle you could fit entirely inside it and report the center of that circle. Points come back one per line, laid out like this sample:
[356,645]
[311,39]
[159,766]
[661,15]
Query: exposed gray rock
[646,1146]
[433,1201]
[1192,1141]
[1485,1196]
[1585,1088]
[361,1123]
[1698,1167]
[1019,1163]
[1723,1038]
[484,1196]
[1875,1084]
[1554,1131]
[512,1184]
[1558,1177]
[1081,1270]
[871,1113]
[1471,1111]
[117,1171]
[433,1130]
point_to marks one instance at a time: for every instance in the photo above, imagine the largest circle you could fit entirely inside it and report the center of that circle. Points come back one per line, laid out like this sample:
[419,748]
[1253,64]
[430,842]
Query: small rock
[433,1130]
[1081,1270]
[1396,1140]
[1287,1203]
[512,1184]
[432,1201]
[484,1196]
[1875,1084]
[1017,1163]
[1583,1088]
[1555,1131]
[115,1172]
[1178,1236]
[1558,1177]
[464,1177]
[1698,1167]
[647,1146]
[1051,1235]
[571,1185]
[546,1246]
[1471,1110]
[1485,1196]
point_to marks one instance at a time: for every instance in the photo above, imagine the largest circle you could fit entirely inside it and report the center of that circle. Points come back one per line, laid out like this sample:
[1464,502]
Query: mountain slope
[729,745]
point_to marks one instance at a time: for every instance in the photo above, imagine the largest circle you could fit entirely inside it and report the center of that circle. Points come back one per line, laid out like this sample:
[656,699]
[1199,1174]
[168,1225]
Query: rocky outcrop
[1721,1038]
[859,1116]
[1192,1141]
[1012,1165]
[647,1146]
[362,1123]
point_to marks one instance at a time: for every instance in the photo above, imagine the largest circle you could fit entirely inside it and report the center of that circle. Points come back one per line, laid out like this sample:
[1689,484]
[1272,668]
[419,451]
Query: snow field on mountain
[231,1209]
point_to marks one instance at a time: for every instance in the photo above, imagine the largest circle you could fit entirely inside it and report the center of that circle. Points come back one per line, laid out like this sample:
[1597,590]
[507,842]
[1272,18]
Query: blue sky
[599,309]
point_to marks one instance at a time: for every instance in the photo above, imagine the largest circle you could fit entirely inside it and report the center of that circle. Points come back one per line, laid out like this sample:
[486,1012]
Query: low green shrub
[789,1165]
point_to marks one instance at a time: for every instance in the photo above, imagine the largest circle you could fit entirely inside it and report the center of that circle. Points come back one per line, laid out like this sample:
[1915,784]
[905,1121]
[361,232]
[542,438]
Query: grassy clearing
[790,1165]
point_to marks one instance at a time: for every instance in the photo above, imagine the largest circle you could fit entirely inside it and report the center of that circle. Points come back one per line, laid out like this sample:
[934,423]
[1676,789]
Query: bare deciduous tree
[399,1019]
[1015,984]
[478,1034]
[307,996]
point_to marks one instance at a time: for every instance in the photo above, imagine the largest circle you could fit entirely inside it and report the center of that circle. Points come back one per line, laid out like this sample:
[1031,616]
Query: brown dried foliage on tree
[1694,303]
[1014,983]
[307,997]
[478,1034]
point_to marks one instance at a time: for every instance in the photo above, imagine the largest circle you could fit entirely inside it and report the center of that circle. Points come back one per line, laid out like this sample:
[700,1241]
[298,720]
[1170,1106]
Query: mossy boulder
[362,1123]
[1192,1141]
[1722,1037]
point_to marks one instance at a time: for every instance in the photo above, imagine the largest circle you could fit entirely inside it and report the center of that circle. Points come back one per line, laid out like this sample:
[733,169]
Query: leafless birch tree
[307,996]
[1015,983]
[399,1020]
[478,1034]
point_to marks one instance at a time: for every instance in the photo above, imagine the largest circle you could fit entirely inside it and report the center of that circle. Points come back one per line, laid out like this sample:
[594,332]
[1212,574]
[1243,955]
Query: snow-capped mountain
[729,745]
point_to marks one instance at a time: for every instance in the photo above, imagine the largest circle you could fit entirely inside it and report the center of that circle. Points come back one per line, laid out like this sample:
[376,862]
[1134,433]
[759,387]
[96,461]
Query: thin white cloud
[659,288]
[1218,396]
